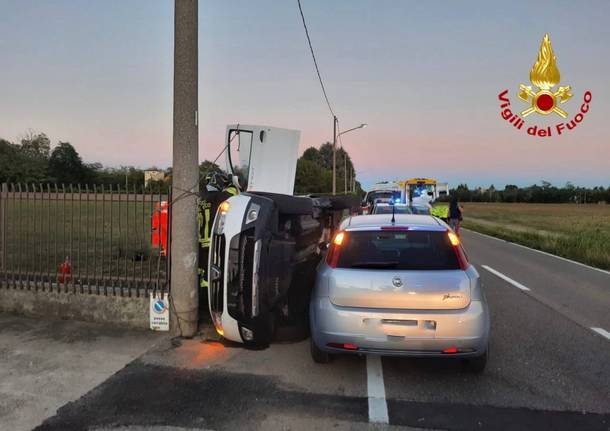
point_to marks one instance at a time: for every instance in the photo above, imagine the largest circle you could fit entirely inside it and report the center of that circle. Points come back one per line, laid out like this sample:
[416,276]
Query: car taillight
[332,258]
[459,250]
[456,350]
[346,346]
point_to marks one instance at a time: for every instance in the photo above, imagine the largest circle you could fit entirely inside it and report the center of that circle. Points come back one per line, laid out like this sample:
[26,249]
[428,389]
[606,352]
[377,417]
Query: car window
[415,250]
[387,209]
[420,210]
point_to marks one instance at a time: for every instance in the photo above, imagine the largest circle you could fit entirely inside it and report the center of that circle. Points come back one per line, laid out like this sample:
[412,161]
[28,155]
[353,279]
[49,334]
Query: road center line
[602,332]
[506,278]
[378,408]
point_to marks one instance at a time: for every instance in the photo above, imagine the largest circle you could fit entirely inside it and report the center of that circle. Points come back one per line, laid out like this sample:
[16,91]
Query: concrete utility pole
[335,136]
[185,179]
[345,170]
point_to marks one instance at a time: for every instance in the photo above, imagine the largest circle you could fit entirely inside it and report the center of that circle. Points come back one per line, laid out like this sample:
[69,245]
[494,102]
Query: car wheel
[477,364]
[318,356]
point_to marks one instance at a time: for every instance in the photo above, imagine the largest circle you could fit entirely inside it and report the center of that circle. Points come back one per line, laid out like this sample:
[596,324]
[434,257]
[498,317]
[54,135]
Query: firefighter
[218,188]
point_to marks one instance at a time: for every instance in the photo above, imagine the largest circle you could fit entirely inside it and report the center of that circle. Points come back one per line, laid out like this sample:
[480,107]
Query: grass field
[578,232]
[102,240]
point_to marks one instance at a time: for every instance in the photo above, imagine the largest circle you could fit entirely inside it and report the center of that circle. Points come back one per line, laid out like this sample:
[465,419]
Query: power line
[314,60]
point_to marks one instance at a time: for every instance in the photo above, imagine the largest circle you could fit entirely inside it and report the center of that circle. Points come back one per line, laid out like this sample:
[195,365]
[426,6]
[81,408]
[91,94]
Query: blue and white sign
[159,312]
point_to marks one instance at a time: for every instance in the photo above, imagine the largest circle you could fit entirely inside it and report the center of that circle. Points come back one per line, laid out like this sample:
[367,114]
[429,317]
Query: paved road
[576,291]
[548,370]
[45,364]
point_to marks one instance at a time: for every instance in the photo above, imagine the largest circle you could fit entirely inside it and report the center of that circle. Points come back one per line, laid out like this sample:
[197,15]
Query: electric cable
[315,62]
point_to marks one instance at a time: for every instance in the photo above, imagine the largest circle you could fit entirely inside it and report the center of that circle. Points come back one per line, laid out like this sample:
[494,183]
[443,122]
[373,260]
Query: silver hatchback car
[398,286]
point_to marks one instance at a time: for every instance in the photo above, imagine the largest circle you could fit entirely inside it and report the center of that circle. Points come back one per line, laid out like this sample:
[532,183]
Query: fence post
[3,199]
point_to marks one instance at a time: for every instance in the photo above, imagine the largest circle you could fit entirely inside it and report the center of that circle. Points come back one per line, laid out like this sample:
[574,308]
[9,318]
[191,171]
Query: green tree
[19,166]
[510,193]
[36,145]
[326,155]
[312,178]
[10,162]
[66,165]
[313,155]
[314,171]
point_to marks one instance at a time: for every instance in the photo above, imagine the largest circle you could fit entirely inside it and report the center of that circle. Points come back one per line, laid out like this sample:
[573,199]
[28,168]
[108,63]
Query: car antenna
[393,214]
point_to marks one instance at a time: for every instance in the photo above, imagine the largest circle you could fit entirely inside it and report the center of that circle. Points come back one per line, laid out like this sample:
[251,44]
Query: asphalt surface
[548,370]
[46,363]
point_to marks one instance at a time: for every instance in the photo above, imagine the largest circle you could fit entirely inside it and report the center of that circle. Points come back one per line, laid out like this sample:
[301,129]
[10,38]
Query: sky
[424,76]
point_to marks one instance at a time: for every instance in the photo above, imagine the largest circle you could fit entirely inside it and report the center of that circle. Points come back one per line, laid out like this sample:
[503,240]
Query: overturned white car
[265,245]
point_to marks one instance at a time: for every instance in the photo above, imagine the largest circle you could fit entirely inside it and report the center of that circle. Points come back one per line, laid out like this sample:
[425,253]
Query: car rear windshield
[414,250]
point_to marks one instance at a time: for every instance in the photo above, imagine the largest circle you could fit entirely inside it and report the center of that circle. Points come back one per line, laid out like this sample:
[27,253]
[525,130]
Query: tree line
[543,193]
[33,160]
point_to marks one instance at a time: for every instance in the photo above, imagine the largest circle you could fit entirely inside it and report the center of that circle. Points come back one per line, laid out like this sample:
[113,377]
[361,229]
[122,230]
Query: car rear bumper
[400,332]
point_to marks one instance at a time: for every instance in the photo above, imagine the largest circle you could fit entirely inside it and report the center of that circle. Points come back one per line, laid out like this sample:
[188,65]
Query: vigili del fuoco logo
[541,97]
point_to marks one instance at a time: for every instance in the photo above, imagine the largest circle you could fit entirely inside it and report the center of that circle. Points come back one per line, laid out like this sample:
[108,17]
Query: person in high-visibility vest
[441,211]
[217,188]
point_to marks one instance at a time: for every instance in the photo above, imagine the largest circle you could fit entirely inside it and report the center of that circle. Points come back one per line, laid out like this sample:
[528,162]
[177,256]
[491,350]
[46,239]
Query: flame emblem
[545,75]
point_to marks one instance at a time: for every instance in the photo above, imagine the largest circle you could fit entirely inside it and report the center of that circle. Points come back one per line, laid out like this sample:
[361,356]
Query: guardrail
[90,239]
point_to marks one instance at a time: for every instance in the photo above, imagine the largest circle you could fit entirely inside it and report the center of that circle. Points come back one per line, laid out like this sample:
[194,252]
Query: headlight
[217,319]
[223,209]
[252,214]
[246,334]
[220,223]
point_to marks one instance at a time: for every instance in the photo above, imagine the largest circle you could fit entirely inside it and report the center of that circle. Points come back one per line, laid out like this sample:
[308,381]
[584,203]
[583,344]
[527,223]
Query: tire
[477,365]
[318,356]
[287,204]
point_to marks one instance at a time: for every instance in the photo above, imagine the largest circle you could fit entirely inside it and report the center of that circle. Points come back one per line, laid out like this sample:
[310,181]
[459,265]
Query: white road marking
[602,332]
[378,408]
[603,271]
[506,278]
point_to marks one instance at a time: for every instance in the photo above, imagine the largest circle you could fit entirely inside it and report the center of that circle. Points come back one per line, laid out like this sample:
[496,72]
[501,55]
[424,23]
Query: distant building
[153,176]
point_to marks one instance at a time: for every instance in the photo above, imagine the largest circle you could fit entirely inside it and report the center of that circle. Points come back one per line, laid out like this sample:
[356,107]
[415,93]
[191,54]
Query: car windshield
[410,250]
[387,209]
[383,195]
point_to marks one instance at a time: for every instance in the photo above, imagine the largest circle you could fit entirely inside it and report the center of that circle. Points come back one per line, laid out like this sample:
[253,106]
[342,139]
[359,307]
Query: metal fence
[88,239]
